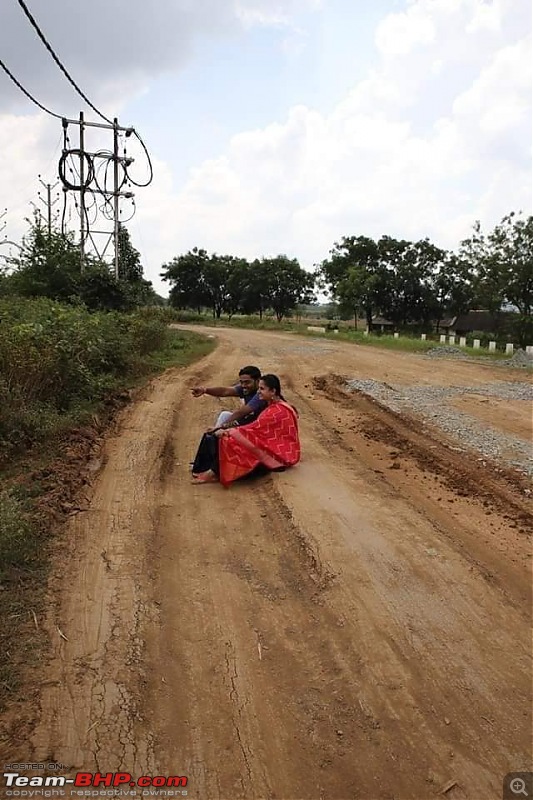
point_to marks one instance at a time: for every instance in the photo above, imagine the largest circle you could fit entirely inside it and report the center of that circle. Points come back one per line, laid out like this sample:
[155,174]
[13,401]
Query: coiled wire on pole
[61,169]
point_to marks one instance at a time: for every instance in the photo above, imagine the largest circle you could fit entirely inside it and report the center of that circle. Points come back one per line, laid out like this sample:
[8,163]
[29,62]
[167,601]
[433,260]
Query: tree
[100,291]
[129,259]
[355,275]
[413,270]
[48,265]
[287,284]
[199,279]
[186,274]
[402,275]
[227,283]
[130,272]
[502,263]
[256,292]
[216,275]
[510,256]
[450,288]
[237,285]
[487,282]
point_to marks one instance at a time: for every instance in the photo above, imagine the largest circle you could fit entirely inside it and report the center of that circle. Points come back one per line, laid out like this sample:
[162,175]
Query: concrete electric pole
[48,202]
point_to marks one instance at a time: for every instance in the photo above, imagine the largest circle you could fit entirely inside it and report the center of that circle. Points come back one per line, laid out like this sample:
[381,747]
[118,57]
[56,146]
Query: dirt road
[355,628]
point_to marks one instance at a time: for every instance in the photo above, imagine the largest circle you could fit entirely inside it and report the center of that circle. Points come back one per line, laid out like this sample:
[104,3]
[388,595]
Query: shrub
[17,535]
[148,333]
[53,356]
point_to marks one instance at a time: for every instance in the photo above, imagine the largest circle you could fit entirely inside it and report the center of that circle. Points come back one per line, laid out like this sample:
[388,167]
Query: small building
[445,325]
[482,321]
[382,324]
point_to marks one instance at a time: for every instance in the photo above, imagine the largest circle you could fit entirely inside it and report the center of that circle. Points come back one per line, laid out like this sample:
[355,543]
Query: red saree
[271,440]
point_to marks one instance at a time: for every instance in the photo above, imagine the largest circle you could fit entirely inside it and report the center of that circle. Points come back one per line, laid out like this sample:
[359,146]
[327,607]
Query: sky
[276,126]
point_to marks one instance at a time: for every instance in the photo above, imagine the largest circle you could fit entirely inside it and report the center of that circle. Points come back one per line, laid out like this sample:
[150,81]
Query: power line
[42,37]
[28,95]
[149,181]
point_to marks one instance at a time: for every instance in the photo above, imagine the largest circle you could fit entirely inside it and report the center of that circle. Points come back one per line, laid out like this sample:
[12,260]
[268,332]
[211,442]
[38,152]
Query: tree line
[409,283]
[230,285]
[417,282]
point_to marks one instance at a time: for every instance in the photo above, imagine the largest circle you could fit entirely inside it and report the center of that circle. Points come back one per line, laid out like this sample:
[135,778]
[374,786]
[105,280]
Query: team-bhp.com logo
[111,784]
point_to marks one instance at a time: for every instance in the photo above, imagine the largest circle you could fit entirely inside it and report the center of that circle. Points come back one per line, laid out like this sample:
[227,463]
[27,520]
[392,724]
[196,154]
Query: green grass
[408,344]
[27,536]
[403,343]
[182,349]
[18,538]
[238,321]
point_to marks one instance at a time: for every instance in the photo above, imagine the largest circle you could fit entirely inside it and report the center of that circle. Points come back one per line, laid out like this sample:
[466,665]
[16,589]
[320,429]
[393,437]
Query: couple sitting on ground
[261,436]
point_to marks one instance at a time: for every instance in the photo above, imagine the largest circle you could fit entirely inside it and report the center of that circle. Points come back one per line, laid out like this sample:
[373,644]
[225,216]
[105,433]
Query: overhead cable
[28,95]
[42,37]
[149,181]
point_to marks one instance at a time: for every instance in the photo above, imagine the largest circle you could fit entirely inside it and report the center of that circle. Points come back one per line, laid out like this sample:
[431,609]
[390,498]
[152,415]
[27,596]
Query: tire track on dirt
[421,677]
[89,712]
[502,487]
[433,479]
[371,662]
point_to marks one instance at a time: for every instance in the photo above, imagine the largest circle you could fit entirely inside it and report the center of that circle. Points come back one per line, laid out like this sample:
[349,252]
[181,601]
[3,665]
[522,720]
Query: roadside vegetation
[74,347]
[64,373]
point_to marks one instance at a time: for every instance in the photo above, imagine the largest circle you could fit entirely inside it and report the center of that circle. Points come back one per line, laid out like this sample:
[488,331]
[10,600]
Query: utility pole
[115,192]
[82,191]
[4,224]
[87,182]
[49,203]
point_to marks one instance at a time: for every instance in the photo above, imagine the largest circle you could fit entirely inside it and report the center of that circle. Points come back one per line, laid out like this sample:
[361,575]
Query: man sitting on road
[246,389]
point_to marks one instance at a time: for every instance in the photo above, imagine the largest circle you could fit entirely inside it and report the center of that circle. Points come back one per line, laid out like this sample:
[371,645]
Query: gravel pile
[447,351]
[430,403]
[520,359]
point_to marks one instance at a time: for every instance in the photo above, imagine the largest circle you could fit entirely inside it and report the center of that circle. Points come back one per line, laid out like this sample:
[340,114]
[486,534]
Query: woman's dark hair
[253,372]
[272,381]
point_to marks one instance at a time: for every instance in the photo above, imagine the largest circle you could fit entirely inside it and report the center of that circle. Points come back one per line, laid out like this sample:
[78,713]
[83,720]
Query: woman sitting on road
[269,443]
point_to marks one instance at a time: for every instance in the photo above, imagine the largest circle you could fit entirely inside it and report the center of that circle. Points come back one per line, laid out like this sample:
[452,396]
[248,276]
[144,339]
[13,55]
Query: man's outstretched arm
[214,391]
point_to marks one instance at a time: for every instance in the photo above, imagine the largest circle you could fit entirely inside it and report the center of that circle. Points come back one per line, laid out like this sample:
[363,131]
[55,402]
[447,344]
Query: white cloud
[114,55]
[496,98]
[486,15]
[401,33]
[272,12]
[368,167]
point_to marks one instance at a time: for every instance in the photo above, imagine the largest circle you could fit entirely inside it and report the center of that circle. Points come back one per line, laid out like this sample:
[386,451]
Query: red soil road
[355,628]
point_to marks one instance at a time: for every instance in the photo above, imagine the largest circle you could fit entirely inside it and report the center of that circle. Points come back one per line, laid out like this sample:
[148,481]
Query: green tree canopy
[129,259]
[231,284]
[355,275]
[48,265]
[287,284]
[186,274]
[503,263]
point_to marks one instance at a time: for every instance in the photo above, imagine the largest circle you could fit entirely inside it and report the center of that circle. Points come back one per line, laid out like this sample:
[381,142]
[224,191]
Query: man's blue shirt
[253,400]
